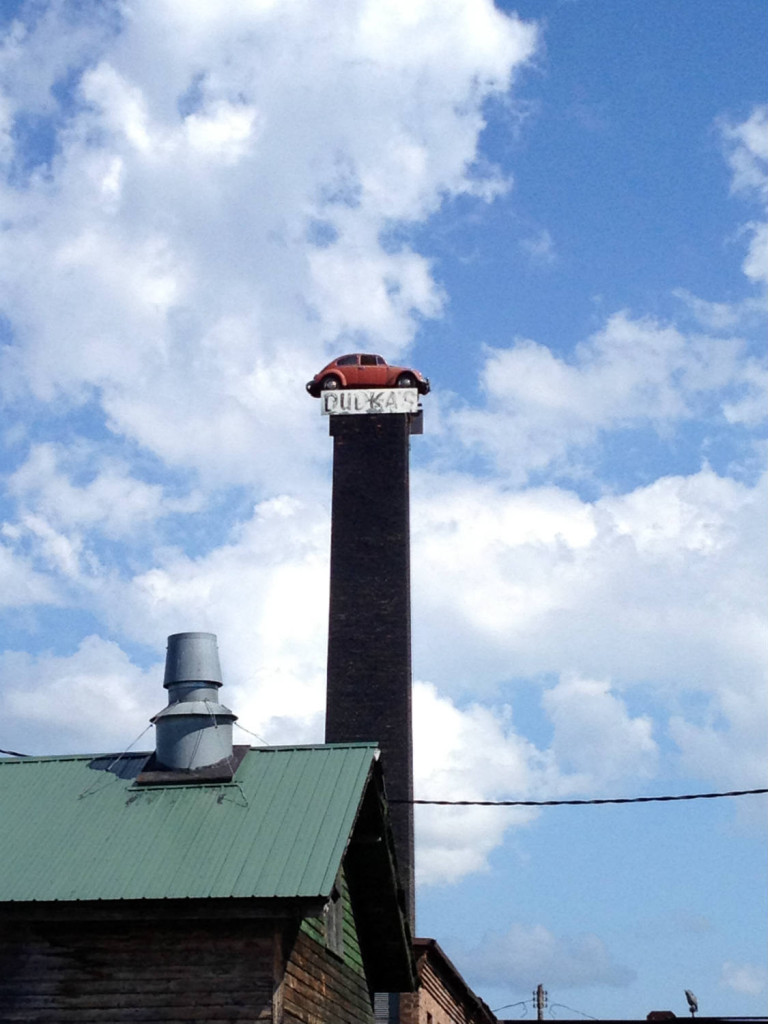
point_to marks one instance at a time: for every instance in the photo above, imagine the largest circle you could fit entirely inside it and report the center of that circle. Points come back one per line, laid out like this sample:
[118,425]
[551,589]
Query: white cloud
[526,953]
[23,584]
[596,737]
[163,264]
[33,58]
[466,755]
[224,131]
[731,736]
[540,246]
[122,106]
[756,260]
[466,536]
[265,594]
[542,409]
[542,579]
[747,151]
[719,317]
[659,588]
[747,148]
[112,501]
[95,696]
[58,551]
[747,979]
[356,288]
[475,753]
[6,136]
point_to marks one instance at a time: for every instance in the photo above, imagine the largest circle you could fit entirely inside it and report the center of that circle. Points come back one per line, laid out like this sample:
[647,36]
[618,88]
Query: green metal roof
[80,828]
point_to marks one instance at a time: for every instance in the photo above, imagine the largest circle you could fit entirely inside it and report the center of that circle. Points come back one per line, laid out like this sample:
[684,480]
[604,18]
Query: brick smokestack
[369,635]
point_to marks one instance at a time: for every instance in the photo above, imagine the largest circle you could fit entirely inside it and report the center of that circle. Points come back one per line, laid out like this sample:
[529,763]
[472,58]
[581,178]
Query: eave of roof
[379,902]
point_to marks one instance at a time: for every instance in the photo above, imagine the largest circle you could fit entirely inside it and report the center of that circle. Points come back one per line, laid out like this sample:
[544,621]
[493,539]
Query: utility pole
[540,1001]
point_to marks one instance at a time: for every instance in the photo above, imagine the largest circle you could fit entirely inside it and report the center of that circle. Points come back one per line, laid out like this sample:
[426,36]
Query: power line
[580,803]
[508,1006]
[583,1014]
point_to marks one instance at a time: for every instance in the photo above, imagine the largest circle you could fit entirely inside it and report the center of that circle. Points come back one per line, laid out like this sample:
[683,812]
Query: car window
[347,361]
[367,360]
[381,361]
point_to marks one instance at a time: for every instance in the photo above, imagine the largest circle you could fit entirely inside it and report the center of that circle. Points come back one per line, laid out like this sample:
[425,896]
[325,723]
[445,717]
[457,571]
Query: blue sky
[557,210]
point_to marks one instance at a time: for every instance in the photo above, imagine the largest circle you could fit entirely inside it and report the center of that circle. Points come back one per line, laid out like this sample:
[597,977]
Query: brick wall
[369,631]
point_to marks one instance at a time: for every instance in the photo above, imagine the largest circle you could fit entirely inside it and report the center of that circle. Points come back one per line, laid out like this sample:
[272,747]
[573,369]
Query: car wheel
[329,383]
[406,380]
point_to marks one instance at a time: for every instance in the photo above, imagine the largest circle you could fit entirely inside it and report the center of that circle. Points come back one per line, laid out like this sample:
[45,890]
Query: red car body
[361,370]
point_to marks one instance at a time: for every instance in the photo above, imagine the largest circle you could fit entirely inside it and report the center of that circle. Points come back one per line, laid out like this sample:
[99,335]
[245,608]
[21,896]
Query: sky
[557,210]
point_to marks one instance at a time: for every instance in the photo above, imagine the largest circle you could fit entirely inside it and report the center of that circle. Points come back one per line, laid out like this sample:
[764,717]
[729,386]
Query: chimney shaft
[194,730]
[369,633]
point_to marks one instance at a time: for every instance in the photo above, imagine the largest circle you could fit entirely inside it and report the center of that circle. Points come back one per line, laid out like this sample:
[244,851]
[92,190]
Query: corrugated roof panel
[305,784]
[304,781]
[332,774]
[285,792]
[327,843]
[72,830]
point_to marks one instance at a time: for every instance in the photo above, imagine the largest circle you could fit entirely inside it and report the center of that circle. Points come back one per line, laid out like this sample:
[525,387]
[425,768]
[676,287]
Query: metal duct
[194,730]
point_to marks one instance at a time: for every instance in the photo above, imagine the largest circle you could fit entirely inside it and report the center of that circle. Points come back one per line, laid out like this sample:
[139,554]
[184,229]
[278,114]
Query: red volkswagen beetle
[360,370]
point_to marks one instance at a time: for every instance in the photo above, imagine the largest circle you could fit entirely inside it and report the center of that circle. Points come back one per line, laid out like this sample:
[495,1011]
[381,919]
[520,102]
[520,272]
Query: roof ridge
[35,758]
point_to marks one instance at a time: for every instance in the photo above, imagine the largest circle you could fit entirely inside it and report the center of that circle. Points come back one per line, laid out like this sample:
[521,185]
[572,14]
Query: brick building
[442,996]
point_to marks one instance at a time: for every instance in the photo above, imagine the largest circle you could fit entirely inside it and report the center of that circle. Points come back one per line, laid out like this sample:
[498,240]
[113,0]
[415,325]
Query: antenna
[693,1003]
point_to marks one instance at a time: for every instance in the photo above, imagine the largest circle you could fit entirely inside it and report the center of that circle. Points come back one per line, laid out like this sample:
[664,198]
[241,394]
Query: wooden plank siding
[174,972]
[136,973]
[320,988]
[315,927]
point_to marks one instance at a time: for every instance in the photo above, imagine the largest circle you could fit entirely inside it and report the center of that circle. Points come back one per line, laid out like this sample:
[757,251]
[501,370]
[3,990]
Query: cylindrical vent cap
[192,657]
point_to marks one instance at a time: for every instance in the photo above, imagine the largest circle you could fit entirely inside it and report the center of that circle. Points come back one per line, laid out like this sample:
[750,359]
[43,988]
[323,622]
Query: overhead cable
[580,803]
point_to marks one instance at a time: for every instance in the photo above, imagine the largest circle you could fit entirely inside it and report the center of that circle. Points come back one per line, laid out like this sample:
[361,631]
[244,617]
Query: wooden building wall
[137,972]
[325,979]
[321,988]
[150,972]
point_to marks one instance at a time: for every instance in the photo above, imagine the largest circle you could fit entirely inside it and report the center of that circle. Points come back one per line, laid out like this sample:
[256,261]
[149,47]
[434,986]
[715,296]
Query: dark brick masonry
[369,635]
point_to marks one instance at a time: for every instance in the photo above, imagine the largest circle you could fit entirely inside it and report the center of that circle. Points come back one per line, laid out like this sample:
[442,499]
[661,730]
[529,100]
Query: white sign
[365,401]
